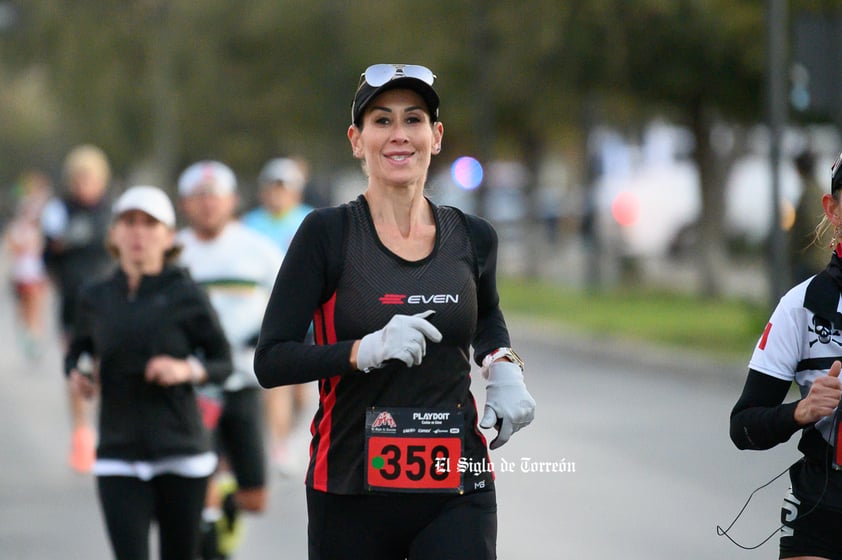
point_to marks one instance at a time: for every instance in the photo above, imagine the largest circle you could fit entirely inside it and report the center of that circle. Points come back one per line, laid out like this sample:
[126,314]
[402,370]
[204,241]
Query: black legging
[398,526]
[130,504]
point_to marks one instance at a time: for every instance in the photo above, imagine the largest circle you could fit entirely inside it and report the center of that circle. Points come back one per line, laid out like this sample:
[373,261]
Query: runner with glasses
[398,289]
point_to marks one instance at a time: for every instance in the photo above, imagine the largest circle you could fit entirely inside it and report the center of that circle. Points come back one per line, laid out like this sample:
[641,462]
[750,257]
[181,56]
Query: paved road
[646,432]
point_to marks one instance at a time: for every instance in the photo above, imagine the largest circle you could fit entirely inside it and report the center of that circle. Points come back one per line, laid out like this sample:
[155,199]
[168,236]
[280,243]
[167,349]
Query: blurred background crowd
[609,141]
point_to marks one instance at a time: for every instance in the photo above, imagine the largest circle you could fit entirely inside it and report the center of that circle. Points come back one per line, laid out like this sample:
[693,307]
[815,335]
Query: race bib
[413,449]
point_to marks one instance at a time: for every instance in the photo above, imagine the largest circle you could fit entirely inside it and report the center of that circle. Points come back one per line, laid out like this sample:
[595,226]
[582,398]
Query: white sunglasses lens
[379,74]
[419,72]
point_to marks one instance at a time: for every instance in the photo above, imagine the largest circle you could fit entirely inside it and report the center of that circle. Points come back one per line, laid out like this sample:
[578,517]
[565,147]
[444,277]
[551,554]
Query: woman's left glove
[508,405]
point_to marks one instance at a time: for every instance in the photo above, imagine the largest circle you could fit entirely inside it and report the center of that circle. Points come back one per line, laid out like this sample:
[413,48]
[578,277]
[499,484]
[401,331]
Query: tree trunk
[165,140]
[712,250]
[535,247]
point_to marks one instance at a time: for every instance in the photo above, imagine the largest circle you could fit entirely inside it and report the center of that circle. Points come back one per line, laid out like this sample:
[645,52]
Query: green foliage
[724,328]
[178,80]
[692,51]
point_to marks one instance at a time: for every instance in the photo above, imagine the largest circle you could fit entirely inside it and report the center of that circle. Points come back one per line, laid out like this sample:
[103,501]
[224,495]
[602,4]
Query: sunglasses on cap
[836,175]
[378,74]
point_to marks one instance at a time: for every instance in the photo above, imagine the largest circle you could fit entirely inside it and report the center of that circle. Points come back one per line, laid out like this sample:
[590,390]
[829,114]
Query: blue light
[466,172]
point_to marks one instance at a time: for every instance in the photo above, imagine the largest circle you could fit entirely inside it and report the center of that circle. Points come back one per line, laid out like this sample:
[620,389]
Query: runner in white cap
[237,267]
[155,337]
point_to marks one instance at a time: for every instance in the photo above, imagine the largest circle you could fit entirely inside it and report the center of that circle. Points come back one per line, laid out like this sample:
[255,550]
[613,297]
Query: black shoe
[229,527]
[209,546]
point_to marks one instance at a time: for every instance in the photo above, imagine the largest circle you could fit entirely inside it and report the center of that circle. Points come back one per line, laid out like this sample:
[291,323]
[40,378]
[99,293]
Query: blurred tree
[539,69]
[160,83]
[100,67]
[706,61]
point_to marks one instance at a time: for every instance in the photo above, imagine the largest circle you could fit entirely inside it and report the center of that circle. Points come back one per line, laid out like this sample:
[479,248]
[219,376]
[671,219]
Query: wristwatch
[495,355]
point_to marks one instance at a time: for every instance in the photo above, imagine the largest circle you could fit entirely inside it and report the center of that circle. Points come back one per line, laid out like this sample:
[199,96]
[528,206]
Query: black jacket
[80,253]
[168,315]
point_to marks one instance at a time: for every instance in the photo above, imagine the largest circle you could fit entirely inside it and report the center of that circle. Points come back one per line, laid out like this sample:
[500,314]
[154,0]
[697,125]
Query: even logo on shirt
[399,299]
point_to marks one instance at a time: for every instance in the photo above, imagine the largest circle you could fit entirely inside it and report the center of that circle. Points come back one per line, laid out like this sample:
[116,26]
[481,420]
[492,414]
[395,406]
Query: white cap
[207,176]
[151,200]
[282,170]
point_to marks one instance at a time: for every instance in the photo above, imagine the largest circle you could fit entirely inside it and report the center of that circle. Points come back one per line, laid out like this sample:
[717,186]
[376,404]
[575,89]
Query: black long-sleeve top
[338,274]
[308,278]
[78,252]
[760,419]
[168,315]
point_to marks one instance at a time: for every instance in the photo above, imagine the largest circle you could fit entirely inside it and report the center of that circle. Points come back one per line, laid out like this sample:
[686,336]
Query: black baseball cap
[382,77]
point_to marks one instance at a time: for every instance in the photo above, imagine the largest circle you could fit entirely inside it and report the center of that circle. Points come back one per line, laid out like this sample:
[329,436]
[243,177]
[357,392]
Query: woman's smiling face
[396,138]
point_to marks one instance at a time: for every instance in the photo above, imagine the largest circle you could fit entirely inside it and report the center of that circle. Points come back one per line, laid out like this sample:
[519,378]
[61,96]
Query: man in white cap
[237,267]
[282,210]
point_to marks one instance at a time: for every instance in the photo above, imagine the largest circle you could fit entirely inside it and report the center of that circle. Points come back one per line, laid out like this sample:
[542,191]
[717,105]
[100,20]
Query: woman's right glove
[508,405]
[403,338]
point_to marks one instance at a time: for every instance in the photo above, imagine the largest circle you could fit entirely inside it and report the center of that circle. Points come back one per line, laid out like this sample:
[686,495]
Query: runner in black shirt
[75,228]
[398,289]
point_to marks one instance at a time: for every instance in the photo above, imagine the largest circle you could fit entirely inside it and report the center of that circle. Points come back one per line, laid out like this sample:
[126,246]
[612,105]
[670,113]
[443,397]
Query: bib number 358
[404,460]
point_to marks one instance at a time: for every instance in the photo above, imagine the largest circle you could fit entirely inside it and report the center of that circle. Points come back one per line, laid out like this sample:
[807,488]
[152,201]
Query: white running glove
[508,405]
[403,338]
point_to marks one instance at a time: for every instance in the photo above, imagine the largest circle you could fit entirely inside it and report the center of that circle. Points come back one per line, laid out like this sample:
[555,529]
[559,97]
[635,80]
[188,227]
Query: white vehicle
[650,197]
